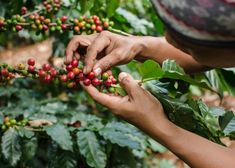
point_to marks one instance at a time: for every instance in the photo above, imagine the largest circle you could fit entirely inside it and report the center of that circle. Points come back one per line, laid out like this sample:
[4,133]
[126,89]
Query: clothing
[206,22]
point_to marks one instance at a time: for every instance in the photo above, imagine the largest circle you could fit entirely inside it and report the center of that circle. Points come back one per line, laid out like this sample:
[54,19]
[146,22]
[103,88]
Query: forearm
[158,49]
[193,149]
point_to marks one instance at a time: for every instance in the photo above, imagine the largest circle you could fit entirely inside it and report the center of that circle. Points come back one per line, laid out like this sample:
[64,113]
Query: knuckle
[126,80]
[104,33]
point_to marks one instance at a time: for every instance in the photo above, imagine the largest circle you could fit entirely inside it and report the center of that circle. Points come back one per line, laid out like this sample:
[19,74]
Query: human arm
[143,110]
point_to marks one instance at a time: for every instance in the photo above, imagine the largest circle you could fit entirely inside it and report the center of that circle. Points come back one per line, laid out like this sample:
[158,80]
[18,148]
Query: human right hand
[112,49]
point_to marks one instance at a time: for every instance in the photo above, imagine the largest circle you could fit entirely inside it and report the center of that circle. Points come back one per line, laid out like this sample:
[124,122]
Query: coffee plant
[47,120]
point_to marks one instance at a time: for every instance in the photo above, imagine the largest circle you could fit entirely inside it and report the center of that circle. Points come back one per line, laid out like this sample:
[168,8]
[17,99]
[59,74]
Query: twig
[119,32]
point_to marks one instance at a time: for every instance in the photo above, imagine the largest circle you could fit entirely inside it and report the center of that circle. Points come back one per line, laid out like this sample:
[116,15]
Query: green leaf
[86,5]
[91,149]
[111,6]
[25,133]
[64,159]
[227,122]
[29,148]
[150,70]
[121,134]
[155,146]
[90,122]
[10,146]
[119,90]
[1,118]
[61,136]
[172,66]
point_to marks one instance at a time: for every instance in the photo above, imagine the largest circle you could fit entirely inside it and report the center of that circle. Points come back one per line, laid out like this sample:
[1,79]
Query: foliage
[80,132]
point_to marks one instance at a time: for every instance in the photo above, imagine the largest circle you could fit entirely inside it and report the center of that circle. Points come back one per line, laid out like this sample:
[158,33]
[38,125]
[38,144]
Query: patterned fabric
[200,20]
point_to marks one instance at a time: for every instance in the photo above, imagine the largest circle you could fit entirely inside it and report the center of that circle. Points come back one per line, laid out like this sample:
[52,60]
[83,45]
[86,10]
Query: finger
[104,99]
[107,62]
[71,48]
[98,45]
[77,55]
[75,43]
[130,85]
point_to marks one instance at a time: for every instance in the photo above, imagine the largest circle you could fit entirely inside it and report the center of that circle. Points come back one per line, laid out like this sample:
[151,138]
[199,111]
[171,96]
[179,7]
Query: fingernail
[97,71]
[122,75]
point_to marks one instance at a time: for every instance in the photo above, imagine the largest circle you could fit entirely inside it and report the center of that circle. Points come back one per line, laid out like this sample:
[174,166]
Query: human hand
[139,107]
[112,49]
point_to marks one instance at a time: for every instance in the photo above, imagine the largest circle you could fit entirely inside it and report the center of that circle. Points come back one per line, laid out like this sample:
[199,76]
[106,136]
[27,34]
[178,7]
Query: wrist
[148,46]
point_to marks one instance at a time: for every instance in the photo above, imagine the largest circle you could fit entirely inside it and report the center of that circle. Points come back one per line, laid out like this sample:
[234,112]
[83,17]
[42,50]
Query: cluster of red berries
[8,123]
[40,23]
[52,5]
[71,75]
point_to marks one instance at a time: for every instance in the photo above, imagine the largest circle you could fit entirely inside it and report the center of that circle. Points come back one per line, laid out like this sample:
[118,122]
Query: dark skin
[139,107]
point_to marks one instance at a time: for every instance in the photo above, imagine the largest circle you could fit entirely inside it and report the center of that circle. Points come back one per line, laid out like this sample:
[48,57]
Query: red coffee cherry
[31,61]
[23,10]
[87,82]
[71,75]
[96,82]
[114,81]
[108,82]
[91,75]
[81,76]
[45,27]
[69,67]
[41,73]
[46,67]
[74,63]
[31,68]
[47,78]
[4,72]
[18,27]
[99,28]
[63,78]
[53,72]
[63,18]
[63,26]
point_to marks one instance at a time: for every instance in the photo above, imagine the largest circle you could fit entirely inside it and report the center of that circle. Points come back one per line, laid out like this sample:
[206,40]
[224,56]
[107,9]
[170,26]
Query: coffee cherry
[76,71]
[63,78]
[93,27]
[63,18]
[13,122]
[71,75]
[53,72]
[109,72]
[74,63]
[47,78]
[31,68]
[108,82]
[69,67]
[96,82]
[111,89]
[21,66]
[47,21]
[114,81]
[31,61]
[81,76]
[91,75]
[45,27]
[8,124]
[23,10]
[24,72]
[18,27]
[97,22]
[4,72]
[71,85]
[46,67]
[87,82]
[99,28]
[63,26]
[76,29]
[106,25]
[105,76]
[41,18]
[41,73]
[3,127]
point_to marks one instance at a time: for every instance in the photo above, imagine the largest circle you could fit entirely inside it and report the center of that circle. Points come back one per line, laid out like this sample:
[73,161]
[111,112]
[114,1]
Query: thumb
[130,85]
